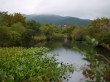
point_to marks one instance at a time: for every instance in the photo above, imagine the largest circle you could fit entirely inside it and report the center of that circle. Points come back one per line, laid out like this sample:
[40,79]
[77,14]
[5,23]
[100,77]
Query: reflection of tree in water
[57,44]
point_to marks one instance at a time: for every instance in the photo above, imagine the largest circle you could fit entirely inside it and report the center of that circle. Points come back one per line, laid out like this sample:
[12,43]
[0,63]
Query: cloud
[23,6]
[77,8]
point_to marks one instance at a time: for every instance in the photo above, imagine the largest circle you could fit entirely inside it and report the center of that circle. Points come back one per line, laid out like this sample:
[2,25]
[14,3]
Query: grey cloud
[76,8]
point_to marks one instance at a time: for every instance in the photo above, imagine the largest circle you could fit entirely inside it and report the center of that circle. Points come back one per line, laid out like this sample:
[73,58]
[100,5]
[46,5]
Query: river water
[67,54]
[71,57]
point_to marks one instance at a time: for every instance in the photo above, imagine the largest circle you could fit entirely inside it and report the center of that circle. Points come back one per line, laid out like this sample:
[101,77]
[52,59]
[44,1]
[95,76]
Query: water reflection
[72,57]
[68,54]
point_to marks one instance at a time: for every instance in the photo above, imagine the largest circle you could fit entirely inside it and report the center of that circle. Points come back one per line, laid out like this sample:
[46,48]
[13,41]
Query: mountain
[75,21]
[58,20]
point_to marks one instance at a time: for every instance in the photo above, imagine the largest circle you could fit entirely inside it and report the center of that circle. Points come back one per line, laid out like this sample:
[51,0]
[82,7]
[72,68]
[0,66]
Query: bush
[39,38]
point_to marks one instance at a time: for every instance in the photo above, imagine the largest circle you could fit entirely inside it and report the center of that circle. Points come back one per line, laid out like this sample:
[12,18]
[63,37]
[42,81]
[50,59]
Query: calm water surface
[72,57]
[67,54]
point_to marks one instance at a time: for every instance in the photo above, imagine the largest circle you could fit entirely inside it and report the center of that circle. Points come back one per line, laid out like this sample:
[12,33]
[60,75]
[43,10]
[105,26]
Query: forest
[15,30]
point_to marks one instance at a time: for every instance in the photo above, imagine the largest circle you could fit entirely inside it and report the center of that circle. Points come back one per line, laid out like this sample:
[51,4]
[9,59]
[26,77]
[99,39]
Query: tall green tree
[18,27]
[17,17]
[79,34]
[99,29]
[4,35]
[14,38]
[9,19]
[27,37]
[33,25]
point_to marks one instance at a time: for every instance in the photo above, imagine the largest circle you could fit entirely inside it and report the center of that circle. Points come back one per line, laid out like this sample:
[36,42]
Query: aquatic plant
[30,65]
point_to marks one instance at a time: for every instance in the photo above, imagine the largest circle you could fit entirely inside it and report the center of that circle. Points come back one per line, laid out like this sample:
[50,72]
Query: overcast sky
[86,9]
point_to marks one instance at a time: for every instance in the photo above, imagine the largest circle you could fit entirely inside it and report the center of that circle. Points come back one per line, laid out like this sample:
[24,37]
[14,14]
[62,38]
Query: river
[72,57]
[67,54]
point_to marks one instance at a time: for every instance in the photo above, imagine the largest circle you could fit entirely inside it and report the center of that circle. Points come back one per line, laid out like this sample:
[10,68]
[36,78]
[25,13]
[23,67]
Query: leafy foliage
[78,34]
[31,32]
[20,65]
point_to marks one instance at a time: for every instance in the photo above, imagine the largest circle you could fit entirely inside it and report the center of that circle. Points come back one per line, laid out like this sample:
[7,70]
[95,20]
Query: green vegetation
[30,65]
[15,30]
[98,69]
[20,64]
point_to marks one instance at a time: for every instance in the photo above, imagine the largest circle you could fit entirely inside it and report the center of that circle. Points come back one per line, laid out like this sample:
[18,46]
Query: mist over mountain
[58,20]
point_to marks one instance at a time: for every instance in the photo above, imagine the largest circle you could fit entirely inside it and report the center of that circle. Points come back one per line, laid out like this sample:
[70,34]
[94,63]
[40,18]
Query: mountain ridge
[58,20]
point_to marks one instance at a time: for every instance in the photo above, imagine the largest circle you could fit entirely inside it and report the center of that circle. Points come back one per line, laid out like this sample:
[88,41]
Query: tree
[104,37]
[79,33]
[99,29]
[4,35]
[14,38]
[27,37]
[18,27]
[100,23]
[10,19]
[17,17]
[33,25]
[47,30]
[6,20]
[68,31]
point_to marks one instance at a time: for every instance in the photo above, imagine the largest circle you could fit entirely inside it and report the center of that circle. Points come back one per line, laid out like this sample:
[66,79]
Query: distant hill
[58,20]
